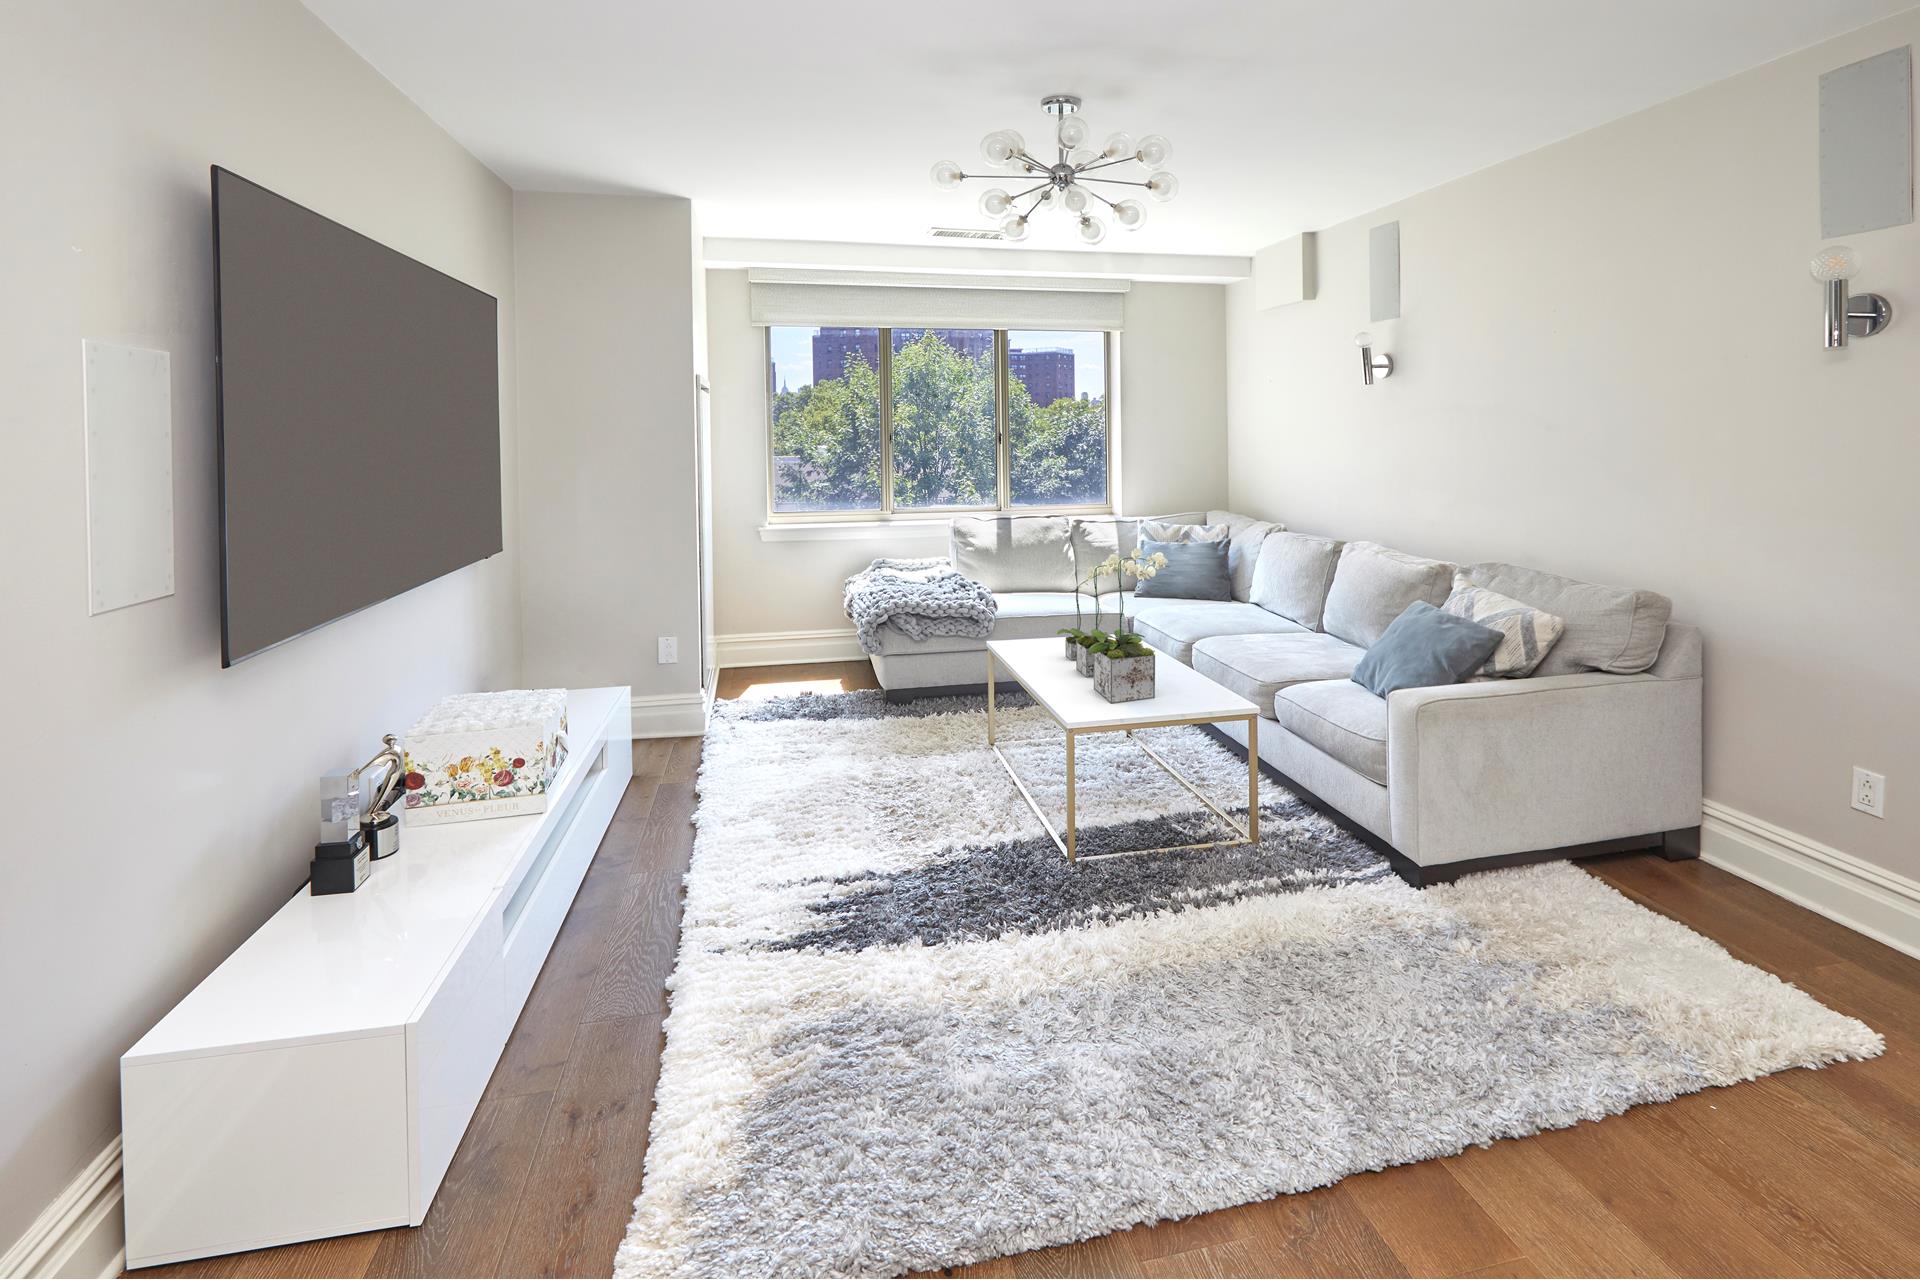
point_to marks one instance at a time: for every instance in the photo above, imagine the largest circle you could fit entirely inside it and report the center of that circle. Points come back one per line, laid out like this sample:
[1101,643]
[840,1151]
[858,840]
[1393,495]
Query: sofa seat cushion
[1172,626]
[1259,666]
[1340,718]
[1014,553]
[1373,585]
[1022,615]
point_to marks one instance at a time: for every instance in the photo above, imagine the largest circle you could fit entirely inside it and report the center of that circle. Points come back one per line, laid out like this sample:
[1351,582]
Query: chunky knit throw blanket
[921,597]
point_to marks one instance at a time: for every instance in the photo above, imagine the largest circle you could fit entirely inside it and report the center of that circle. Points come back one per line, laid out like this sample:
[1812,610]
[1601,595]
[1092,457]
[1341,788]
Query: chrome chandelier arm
[1091,165]
[1118,182]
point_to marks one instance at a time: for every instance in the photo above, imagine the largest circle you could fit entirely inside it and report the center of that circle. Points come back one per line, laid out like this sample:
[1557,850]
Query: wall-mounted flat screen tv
[359,419]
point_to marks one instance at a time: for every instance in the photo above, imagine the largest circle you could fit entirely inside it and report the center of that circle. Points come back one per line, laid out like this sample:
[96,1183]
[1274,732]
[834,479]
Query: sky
[793,355]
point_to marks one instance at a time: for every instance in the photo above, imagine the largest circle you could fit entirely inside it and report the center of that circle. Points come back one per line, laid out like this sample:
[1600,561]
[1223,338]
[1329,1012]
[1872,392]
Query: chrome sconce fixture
[1369,367]
[1859,315]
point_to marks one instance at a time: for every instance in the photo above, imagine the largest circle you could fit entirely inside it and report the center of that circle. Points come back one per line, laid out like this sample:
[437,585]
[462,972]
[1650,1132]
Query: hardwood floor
[1802,1173]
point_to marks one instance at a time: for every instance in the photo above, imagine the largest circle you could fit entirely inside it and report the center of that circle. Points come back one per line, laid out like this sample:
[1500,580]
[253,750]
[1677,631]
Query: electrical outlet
[669,649]
[1870,792]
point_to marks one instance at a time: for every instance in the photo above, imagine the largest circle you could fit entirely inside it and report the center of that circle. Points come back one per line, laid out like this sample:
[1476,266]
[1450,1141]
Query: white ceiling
[820,120]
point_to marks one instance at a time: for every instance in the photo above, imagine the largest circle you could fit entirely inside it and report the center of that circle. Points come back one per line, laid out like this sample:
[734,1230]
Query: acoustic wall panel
[1383,271]
[1866,144]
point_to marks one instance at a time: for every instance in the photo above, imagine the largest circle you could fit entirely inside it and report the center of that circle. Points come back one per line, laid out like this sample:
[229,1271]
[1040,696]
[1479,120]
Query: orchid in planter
[1122,662]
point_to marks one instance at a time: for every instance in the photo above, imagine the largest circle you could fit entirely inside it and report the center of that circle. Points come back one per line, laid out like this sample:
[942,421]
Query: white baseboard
[81,1233]
[670,715]
[783,648]
[1871,900]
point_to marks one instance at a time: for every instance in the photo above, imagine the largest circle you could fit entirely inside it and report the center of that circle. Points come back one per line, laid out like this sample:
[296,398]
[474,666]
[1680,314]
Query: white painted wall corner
[82,1232]
[1870,900]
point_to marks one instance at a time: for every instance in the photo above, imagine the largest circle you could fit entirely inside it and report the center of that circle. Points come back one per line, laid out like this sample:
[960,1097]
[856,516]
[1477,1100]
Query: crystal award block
[339,808]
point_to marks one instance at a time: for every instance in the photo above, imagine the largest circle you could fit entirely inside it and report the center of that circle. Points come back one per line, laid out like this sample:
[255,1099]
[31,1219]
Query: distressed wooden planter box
[1073,649]
[1123,679]
[1083,659]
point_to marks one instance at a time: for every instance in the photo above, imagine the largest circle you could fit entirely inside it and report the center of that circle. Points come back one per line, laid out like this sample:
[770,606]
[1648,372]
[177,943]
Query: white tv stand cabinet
[318,1082]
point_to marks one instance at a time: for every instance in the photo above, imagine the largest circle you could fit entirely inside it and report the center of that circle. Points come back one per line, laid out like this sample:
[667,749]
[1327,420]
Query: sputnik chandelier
[1066,183]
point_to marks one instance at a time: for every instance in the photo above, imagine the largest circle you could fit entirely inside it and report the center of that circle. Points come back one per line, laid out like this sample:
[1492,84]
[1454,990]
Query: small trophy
[340,861]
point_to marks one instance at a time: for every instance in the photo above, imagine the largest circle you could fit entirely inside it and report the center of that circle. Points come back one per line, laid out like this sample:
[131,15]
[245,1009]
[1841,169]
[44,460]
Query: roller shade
[888,299]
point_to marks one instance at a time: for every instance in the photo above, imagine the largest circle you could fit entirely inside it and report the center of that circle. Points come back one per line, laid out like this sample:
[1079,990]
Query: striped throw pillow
[1526,632]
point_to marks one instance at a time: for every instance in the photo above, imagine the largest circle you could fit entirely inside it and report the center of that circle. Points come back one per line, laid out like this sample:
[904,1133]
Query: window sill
[855,531]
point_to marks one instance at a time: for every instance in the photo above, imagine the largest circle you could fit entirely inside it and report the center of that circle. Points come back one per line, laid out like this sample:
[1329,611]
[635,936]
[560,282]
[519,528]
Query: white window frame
[887,511]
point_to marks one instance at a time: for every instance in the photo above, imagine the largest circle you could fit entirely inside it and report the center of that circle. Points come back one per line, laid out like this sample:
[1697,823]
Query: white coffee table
[1181,695]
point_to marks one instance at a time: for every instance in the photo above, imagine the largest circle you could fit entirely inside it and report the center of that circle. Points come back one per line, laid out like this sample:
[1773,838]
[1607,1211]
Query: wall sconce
[1368,365]
[1862,314]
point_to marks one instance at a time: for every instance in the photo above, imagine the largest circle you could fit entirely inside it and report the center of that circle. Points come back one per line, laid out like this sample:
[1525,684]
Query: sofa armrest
[1507,766]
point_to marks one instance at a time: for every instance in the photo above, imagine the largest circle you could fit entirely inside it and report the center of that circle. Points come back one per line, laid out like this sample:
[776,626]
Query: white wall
[1609,366]
[162,807]
[606,300]
[1172,417]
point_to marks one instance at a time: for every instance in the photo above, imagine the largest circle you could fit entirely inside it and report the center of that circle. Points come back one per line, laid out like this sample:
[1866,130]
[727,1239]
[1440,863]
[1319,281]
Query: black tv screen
[359,419]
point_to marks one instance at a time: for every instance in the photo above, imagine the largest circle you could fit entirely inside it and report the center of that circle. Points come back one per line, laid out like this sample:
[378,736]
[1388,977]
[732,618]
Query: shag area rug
[905,1034]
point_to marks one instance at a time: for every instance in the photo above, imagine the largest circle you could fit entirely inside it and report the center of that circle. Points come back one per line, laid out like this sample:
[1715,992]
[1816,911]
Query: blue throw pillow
[1194,571]
[1425,646]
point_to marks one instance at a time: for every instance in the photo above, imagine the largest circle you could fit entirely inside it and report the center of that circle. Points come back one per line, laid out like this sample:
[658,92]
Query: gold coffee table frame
[1247,834]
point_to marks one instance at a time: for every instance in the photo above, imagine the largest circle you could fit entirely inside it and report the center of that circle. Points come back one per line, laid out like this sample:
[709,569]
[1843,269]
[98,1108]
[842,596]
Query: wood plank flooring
[1803,1173]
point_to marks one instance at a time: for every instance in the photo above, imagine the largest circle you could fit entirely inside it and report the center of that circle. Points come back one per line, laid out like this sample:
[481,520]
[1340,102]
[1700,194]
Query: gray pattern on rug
[905,1034]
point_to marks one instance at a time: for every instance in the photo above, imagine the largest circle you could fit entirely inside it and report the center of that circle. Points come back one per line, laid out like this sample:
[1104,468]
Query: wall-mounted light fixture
[1368,365]
[1860,315]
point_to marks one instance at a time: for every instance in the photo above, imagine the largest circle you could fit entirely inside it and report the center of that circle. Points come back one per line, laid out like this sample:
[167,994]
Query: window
[874,421]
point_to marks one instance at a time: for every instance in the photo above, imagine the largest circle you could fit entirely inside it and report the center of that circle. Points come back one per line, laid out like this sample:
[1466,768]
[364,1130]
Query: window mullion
[885,374]
[1002,420]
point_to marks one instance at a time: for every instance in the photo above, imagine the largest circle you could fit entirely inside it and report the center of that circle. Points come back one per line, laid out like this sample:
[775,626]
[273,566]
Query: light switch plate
[129,429]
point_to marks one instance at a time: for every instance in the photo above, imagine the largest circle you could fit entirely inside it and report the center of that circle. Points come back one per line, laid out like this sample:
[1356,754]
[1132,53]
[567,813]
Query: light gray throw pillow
[1373,585]
[1293,574]
[1527,633]
[1014,553]
[1181,531]
[1613,629]
[1194,571]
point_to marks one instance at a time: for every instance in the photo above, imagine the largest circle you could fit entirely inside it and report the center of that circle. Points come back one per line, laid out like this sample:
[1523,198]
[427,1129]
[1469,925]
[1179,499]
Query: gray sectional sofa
[1598,750]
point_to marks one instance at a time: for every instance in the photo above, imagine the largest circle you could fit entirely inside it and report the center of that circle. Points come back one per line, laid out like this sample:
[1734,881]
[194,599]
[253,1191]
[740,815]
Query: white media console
[318,1082]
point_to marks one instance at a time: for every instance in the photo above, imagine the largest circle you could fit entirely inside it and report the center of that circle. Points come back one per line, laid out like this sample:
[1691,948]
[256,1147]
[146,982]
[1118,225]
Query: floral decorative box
[484,755]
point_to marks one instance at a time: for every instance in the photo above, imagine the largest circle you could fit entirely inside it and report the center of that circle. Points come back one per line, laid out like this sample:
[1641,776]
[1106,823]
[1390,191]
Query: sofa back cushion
[1014,553]
[1097,537]
[1373,585]
[1613,629]
[1293,574]
[1245,536]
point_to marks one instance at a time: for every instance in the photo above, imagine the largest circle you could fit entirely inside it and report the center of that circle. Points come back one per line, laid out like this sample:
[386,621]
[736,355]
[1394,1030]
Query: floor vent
[968,233]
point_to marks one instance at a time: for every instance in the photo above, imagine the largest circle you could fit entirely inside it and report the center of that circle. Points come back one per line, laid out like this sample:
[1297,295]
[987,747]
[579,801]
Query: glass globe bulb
[997,147]
[1163,186]
[1363,339]
[1119,146]
[1080,157]
[946,175]
[994,202]
[1092,230]
[1075,198]
[1154,151]
[1130,214]
[1073,131]
[1014,228]
[1014,139]
[1050,198]
[1835,262]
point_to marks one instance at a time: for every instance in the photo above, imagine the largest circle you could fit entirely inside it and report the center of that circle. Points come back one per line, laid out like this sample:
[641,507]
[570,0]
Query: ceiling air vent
[968,233]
